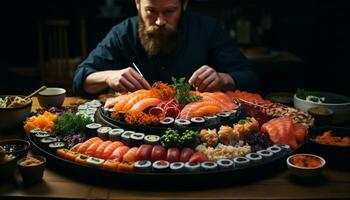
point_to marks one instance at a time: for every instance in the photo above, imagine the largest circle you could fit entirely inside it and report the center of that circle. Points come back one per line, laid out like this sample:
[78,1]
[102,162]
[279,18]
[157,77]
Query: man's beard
[155,39]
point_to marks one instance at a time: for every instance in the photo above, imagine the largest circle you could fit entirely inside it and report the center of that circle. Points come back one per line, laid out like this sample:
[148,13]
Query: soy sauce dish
[305,165]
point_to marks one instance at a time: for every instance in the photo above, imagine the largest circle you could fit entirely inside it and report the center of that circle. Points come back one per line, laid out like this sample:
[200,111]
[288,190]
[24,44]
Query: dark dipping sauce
[11,148]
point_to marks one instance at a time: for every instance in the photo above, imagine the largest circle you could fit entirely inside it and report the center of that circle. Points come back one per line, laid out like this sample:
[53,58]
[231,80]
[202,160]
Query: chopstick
[137,69]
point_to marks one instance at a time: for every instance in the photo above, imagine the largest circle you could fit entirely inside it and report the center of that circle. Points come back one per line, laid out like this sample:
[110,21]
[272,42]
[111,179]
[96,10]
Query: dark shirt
[202,41]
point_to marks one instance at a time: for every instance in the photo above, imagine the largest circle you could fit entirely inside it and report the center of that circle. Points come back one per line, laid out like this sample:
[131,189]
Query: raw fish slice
[110,149]
[131,155]
[100,150]
[191,109]
[300,131]
[76,147]
[110,102]
[118,153]
[92,148]
[223,99]
[198,157]
[136,98]
[145,103]
[120,105]
[87,143]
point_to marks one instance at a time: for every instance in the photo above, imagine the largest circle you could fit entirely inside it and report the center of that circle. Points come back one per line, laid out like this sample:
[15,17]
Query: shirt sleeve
[226,57]
[105,56]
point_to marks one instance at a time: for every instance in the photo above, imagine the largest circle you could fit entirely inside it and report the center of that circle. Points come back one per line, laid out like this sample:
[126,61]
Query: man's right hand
[126,80]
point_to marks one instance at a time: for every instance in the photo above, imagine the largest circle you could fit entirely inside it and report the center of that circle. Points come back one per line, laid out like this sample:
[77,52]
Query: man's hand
[208,79]
[126,80]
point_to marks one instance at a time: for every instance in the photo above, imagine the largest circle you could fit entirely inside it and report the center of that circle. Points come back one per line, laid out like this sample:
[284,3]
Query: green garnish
[190,139]
[69,123]
[182,91]
[171,138]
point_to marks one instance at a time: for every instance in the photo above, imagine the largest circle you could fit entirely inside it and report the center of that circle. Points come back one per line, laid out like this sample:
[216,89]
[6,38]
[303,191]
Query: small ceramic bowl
[285,98]
[17,147]
[305,165]
[323,116]
[32,169]
[13,117]
[51,97]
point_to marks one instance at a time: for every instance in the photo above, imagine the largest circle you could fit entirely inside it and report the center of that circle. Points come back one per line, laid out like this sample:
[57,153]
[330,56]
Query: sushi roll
[95,162]
[151,139]
[285,149]
[225,163]
[81,159]
[182,123]
[71,155]
[110,165]
[167,122]
[192,166]
[197,121]
[254,157]
[103,131]
[115,134]
[241,161]
[126,166]
[125,137]
[143,166]
[233,115]
[177,166]
[211,119]
[38,135]
[93,104]
[224,116]
[44,142]
[275,149]
[53,147]
[82,107]
[265,154]
[62,152]
[91,129]
[161,166]
[209,165]
[90,111]
[136,139]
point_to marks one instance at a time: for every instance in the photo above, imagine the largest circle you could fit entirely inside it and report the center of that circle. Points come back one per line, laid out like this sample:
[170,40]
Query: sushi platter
[212,136]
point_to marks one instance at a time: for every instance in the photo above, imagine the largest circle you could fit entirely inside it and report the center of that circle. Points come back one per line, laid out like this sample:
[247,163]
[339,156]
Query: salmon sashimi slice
[131,155]
[93,147]
[120,105]
[100,150]
[110,102]
[118,153]
[145,103]
[192,109]
[300,132]
[87,143]
[221,99]
[136,98]
[110,149]
[76,147]
[280,131]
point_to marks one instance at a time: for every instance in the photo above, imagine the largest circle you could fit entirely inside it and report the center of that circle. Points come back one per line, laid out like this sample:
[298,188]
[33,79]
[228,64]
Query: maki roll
[136,139]
[198,121]
[44,142]
[110,165]
[125,137]
[81,159]
[285,149]
[182,123]
[254,157]
[103,131]
[38,134]
[62,153]
[209,165]
[143,166]
[161,166]
[82,107]
[53,147]
[95,162]
[177,166]
[275,149]
[90,111]
[265,154]
[241,161]
[91,129]
[233,115]
[115,134]
[151,139]
[225,163]
[211,119]
[167,122]
[192,166]
[126,166]
[224,116]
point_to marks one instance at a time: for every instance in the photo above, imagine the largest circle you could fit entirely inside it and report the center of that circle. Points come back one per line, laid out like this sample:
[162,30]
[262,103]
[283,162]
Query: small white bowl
[306,172]
[51,97]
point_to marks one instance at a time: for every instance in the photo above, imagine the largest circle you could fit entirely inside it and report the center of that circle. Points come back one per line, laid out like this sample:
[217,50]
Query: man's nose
[160,21]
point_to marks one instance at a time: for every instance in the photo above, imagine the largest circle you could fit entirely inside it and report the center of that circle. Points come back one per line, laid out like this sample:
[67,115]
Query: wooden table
[335,184]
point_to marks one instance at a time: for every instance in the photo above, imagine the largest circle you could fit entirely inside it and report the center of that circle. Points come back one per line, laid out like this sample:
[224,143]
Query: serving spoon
[36,91]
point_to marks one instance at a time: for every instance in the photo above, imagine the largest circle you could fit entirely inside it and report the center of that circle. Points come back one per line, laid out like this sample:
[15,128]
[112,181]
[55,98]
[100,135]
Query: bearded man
[165,41]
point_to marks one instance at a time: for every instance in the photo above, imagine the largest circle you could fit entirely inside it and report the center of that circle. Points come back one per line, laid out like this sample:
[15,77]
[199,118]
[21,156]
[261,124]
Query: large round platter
[169,180]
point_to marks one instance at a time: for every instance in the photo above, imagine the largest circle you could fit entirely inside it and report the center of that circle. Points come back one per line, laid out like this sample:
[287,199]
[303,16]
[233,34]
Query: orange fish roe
[328,138]
[305,161]
[44,122]
[138,117]
[163,90]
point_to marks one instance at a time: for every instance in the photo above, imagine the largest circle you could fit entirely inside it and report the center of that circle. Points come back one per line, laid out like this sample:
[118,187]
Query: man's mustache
[165,30]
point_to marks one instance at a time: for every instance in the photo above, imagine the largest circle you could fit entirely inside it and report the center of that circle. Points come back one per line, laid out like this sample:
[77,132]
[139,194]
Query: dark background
[315,31]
